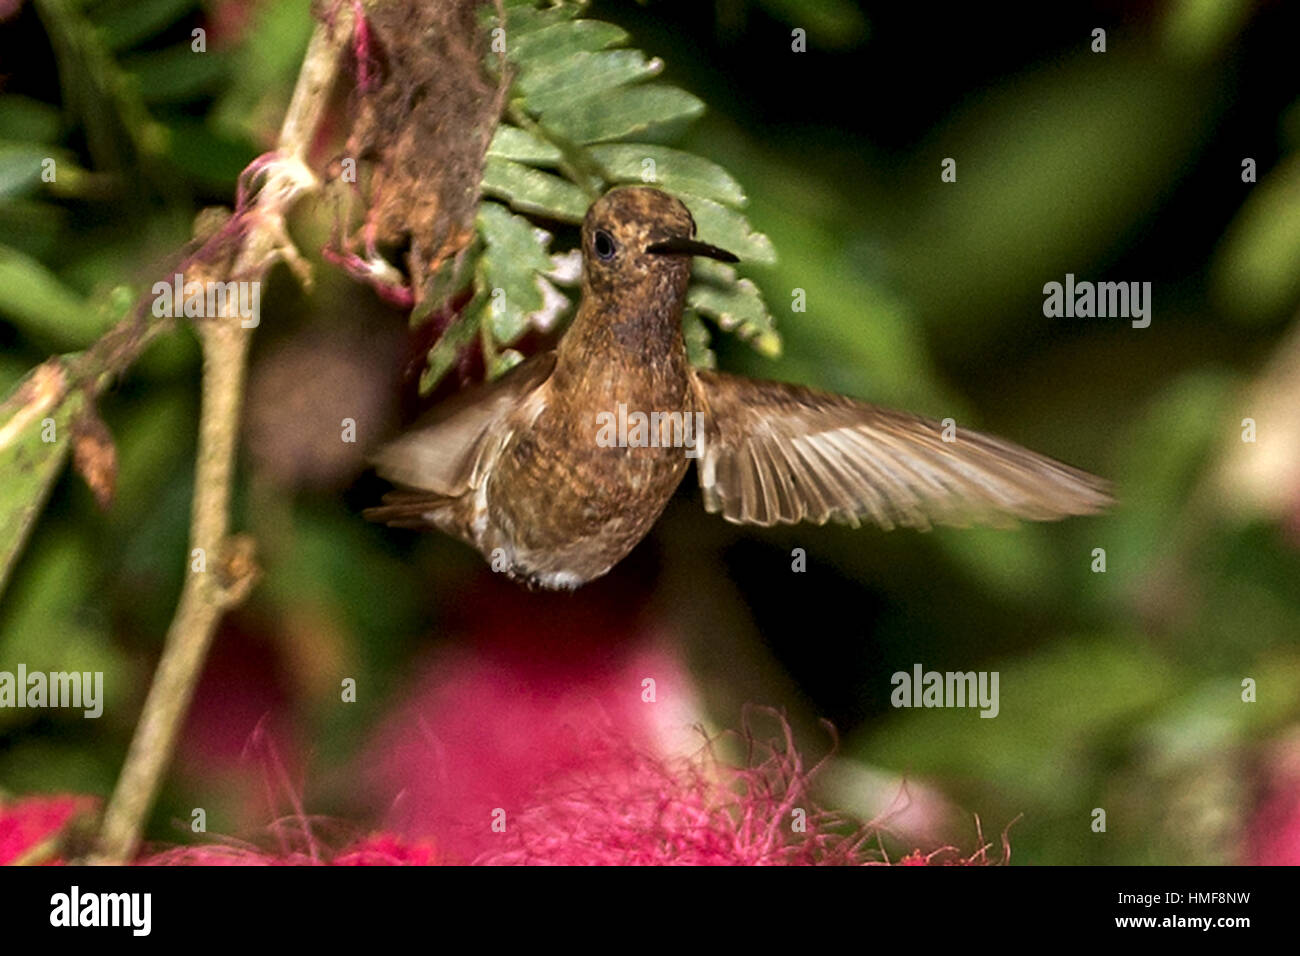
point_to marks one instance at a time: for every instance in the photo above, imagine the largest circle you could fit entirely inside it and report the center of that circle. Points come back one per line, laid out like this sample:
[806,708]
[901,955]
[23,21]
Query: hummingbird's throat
[651,328]
[633,320]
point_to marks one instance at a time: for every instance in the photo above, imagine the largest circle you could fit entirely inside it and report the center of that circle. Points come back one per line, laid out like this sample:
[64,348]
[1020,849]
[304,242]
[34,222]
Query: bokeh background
[1120,690]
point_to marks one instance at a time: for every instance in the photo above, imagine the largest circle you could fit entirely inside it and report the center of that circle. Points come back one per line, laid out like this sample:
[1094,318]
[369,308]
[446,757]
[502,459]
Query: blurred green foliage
[1119,690]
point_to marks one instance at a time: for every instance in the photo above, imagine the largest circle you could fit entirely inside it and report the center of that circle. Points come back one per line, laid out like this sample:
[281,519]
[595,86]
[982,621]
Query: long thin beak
[682,246]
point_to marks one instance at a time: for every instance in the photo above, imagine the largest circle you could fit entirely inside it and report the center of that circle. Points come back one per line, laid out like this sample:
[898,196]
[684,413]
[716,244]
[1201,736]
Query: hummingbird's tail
[408,509]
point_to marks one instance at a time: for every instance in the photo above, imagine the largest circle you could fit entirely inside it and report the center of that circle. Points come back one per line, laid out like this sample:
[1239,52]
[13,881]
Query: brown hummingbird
[556,470]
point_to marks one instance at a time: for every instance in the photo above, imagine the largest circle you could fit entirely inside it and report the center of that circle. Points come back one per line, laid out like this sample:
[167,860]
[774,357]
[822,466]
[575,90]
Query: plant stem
[208,593]
[205,595]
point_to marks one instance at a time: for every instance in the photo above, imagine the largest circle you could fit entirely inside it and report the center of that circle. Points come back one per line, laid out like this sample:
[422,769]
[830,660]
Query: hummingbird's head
[638,234]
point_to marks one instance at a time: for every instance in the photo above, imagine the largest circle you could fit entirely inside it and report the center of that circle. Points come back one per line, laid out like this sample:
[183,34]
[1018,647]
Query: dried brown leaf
[94,455]
[425,114]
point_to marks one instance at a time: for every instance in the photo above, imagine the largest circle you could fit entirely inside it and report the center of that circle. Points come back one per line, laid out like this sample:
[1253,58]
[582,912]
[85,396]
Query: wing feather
[774,453]
[444,455]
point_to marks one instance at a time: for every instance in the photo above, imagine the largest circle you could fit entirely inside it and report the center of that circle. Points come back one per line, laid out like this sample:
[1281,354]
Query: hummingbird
[524,469]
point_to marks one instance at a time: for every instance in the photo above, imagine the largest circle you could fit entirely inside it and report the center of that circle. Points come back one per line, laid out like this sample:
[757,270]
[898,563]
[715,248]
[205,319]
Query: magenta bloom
[531,745]
[1273,833]
[31,829]
[377,850]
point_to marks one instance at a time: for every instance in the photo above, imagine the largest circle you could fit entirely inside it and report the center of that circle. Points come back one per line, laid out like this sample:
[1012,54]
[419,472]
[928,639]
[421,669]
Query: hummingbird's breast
[574,492]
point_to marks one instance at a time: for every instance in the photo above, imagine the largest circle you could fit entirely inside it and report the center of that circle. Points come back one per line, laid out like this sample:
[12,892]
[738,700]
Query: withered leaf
[94,455]
[425,121]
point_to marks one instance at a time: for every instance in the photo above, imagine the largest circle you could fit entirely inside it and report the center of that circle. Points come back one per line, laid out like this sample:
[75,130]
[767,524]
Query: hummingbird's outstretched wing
[441,454]
[774,453]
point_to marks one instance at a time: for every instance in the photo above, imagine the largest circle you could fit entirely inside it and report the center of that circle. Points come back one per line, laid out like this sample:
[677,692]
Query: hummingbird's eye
[603,243]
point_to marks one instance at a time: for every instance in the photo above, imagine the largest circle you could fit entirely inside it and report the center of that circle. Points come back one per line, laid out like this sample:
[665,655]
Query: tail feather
[405,509]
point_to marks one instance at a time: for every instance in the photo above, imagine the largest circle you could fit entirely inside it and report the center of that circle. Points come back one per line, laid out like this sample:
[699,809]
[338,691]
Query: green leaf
[208,155]
[557,86]
[570,94]
[20,166]
[515,255]
[35,227]
[698,340]
[48,622]
[454,275]
[521,146]
[625,111]
[531,190]
[674,169]
[557,42]
[131,22]
[735,304]
[176,75]
[29,120]
[523,17]
[504,362]
[35,300]
[445,351]
[155,444]
[263,70]
[1255,278]
[32,413]
[115,122]
[730,230]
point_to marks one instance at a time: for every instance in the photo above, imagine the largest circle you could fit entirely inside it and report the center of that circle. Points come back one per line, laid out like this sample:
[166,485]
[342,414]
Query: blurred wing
[773,453]
[440,454]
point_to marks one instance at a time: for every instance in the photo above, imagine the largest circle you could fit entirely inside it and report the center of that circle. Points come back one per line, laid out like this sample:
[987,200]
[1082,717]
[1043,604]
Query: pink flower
[560,730]
[1273,834]
[541,688]
[376,850]
[32,828]
[630,808]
